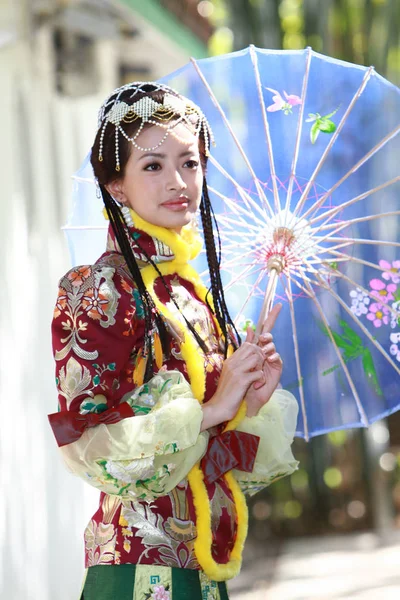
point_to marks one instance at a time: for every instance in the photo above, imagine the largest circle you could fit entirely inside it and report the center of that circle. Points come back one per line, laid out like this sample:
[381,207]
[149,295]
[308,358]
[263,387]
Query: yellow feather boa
[186,246]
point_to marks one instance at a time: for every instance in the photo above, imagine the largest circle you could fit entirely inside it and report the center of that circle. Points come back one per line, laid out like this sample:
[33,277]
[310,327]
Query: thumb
[250,335]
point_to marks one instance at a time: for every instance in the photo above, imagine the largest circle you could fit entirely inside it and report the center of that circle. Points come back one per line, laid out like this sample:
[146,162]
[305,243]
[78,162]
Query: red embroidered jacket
[138,443]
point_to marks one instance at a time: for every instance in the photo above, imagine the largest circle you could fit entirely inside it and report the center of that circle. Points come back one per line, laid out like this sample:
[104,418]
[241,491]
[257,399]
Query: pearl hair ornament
[173,110]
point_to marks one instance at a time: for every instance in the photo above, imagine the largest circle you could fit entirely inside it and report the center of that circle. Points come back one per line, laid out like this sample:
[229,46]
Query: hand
[238,373]
[260,392]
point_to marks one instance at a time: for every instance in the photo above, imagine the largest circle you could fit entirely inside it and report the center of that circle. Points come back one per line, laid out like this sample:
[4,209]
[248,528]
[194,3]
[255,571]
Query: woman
[151,374]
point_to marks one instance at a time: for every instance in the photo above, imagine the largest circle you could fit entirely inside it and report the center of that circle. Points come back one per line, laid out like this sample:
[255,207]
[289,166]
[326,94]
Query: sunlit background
[58,60]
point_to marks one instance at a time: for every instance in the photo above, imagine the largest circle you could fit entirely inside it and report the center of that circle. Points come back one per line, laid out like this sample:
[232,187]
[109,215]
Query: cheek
[141,186]
[199,180]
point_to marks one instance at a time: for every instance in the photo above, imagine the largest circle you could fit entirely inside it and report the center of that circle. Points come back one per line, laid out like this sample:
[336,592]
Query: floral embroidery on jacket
[88,291]
[100,541]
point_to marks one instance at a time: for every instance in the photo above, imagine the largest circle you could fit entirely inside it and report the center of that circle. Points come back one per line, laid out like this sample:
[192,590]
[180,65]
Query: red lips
[180,203]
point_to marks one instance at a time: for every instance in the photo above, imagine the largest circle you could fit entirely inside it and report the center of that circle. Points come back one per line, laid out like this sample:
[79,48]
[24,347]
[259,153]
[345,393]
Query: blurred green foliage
[361,31]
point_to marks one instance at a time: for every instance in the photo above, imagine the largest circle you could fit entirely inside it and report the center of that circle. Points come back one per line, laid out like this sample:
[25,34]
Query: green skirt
[149,582]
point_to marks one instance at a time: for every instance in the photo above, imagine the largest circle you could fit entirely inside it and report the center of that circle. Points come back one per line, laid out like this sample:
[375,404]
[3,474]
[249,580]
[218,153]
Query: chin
[179,221]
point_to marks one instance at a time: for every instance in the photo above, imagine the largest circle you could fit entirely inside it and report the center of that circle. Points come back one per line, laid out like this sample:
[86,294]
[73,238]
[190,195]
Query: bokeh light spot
[356,509]
[292,509]
[388,461]
[261,510]
[299,480]
[333,477]
[337,438]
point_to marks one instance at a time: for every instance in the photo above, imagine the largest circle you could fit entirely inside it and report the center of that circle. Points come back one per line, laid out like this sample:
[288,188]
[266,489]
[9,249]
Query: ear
[115,188]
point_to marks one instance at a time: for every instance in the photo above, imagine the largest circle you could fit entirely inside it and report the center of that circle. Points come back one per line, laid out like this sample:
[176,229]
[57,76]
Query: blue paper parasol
[306,186]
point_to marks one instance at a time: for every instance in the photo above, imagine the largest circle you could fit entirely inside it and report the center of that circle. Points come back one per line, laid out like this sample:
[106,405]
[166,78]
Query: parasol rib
[254,60]
[355,318]
[247,199]
[343,224]
[339,226]
[361,411]
[337,209]
[235,138]
[250,294]
[333,211]
[363,160]
[364,241]
[289,296]
[347,257]
[235,207]
[273,277]
[321,261]
[228,263]
[343,245]
[333,139]
[298,134]
[238,221]
[364,329]
[245,272]
[359,286]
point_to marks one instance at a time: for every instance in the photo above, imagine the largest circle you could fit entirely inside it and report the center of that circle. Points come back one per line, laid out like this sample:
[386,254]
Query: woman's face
[163,186]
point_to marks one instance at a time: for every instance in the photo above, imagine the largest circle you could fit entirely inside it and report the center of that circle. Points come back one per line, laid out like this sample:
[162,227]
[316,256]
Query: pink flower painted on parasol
[281,104]
[392,271]
[381,291]
[378,314]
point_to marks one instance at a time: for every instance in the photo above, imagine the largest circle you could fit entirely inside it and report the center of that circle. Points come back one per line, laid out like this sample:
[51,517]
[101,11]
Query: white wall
[44,509]
[43,140]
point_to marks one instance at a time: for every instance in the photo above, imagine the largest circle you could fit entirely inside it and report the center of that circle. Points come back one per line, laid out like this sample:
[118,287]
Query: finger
[247,349]
[251,363]
[247,362]
[269,349]
[257,378]
[272,317]
[260,383]
[274,358]
[265,338]
[250,335]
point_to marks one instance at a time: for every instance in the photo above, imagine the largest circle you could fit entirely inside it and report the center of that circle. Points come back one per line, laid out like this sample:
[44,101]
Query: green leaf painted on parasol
[350,342]
[314,133]
[369,369]
[321,123]
[326,125]
[351,335]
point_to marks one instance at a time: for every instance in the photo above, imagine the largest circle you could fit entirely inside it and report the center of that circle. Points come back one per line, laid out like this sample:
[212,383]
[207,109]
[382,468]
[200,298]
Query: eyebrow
[161,155]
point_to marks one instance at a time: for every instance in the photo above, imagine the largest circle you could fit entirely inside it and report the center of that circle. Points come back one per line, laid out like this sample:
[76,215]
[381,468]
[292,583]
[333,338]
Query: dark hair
[105,172]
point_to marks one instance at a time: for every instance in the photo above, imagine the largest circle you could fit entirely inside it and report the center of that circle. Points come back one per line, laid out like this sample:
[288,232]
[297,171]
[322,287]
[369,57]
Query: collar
[161,244]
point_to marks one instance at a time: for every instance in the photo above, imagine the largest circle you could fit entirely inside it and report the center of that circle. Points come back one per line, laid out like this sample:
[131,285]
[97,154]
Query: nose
[175,181]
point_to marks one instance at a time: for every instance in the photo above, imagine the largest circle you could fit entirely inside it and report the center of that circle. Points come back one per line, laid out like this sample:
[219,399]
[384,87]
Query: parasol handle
[268,300]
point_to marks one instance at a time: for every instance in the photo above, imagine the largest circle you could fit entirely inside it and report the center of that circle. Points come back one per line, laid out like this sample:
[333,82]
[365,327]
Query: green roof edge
[166,22]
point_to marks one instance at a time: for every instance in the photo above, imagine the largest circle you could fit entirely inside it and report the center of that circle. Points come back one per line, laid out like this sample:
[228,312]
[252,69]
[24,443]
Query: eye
[191,164]
[152,167]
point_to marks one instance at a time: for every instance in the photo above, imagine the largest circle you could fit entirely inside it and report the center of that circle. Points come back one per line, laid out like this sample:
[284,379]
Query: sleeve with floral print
[97,332]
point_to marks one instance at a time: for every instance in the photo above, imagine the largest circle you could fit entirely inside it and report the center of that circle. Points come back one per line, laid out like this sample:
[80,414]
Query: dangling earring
[126,213]
[98,190]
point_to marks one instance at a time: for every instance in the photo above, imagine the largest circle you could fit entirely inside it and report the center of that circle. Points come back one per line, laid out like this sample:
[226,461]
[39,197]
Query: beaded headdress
[173,109]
